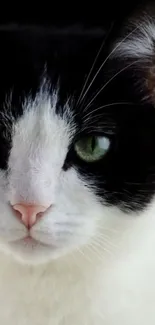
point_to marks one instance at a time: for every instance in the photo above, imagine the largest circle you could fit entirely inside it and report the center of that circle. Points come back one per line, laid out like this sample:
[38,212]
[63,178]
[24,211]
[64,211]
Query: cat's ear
[135,47]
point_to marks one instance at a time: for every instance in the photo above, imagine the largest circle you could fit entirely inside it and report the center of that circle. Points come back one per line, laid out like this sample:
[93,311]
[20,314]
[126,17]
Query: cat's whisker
[104,235]
[107,105]
[107,118]
[102,247]
[94,250]
[84,255]
[95,247]
[93,65]
[104,240]
[107,58]
[84,86]
[109,129]
[106,248]
[110,80]
[88,122]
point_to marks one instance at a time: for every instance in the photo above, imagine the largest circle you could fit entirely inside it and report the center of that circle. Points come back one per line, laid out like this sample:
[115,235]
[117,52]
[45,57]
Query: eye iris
[92,148]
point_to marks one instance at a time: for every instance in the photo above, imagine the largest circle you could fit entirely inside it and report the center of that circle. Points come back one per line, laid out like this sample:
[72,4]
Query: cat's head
[67,157]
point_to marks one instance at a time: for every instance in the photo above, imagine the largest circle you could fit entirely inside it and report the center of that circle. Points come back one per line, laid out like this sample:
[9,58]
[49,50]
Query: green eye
[92,148]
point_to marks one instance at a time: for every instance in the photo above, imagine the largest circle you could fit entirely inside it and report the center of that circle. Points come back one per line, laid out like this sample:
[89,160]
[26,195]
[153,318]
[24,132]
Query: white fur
[99,263]
[40,144]
[112,283]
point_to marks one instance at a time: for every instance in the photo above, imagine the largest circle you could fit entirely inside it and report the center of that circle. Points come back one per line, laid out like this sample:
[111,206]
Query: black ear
[134,48]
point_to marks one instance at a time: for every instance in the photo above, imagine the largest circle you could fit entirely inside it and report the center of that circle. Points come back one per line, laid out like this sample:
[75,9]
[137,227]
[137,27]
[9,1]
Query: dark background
[62,13]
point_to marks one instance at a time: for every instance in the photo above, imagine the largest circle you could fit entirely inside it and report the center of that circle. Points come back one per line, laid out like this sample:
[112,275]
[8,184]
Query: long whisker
[107,58]
[103,247]
[107,105]
[95,247]
[95,250]
[93,65]
[85,256]
[103,240]
[108,82]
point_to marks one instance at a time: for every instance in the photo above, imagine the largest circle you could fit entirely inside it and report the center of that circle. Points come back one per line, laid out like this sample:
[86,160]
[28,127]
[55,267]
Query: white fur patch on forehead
[41,120]
[41,127]
[40,142]
[139,39]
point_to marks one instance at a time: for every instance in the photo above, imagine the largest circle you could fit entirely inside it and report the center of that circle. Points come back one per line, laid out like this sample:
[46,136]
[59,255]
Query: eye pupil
[93,143]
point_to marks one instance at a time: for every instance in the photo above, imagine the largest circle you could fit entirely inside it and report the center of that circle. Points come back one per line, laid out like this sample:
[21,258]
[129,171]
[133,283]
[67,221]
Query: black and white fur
[91,260]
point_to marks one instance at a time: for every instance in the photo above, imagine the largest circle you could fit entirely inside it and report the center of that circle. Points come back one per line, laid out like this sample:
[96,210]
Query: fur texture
[90,259]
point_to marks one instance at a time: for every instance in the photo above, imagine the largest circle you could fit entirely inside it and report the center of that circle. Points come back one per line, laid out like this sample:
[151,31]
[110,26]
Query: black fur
[126,175]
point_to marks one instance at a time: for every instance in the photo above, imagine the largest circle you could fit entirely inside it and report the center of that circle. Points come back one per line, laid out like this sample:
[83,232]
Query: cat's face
[38,175]
[77,157]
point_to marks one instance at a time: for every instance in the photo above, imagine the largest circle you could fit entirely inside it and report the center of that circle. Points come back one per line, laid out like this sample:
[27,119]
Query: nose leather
[29,214]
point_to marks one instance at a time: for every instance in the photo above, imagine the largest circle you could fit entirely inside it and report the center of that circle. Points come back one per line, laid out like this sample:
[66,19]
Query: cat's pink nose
[29,214]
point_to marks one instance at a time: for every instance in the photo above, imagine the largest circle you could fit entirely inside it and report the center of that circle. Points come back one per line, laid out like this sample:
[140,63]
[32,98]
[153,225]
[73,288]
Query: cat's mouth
[30,241]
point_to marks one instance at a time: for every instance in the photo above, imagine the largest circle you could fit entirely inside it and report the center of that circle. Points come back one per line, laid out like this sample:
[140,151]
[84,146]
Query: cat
[77,174]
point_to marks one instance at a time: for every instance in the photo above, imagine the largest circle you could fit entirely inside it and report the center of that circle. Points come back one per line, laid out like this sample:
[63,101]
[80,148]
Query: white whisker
[107,105]
[95,251]
[105,241]
[84,255]
[104,248]
[107,58]
[93,65]
[108,82]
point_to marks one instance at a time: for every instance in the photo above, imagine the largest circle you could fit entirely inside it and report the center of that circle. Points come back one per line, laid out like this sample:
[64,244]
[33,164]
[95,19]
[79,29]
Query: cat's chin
[32,252]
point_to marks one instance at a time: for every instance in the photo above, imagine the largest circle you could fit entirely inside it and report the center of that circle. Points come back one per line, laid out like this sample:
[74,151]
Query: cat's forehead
[44,117]
[40,137]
